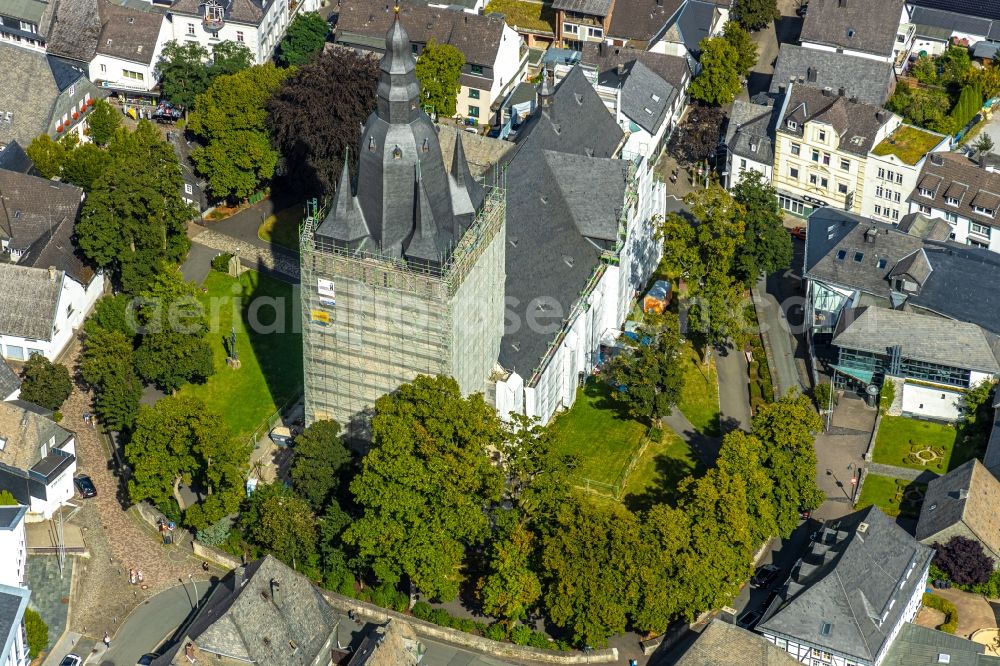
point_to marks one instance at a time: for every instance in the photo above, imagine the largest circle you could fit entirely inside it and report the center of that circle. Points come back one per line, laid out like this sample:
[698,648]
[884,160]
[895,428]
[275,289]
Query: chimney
[811,74]
[600,48]
[842,92]
[870,235]
[936,159]
[828,91]
[881,115]
[52,273]
[238,579]
[621,69]
[275,588]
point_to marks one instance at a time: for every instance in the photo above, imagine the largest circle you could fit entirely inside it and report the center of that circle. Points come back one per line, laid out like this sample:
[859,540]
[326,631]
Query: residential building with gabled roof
[876,31]
[749,140]
[962,503]
[37,459]
[42,95]
[989,9]
[635,23]
[821,148]
[26,23]
[688,26]
[257,24]
[966,195]
[850,595]
[920,646]
[128,48]
[866,80]
[495,55]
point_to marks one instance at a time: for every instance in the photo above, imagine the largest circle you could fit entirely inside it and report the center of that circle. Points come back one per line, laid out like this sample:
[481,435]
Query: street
[151,624]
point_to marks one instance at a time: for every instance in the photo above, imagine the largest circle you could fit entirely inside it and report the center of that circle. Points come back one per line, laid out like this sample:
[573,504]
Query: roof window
[826,628]
[944,658]
[792,125]
[859,257]
[655,97]
[882,263]
[841,254]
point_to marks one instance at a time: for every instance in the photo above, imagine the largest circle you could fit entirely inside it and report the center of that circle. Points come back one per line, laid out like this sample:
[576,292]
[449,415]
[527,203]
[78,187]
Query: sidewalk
[775,334]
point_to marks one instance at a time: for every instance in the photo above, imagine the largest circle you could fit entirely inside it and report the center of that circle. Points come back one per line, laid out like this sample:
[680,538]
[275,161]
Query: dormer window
[951,201]
[924,192]
[984,211]
[792,125]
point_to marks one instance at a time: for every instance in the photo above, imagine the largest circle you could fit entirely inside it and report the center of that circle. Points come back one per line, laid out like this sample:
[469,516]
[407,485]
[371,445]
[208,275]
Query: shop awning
[864,376]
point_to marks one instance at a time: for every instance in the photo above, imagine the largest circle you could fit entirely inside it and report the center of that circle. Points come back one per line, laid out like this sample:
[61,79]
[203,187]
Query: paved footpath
[904,473]
[116,542]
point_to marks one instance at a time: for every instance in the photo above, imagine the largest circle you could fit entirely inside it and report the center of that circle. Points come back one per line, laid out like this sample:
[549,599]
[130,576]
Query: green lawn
[282,228]
[908,143]
[700,398]
[891,495]
[271,371]
[900,439]
[661,468]
[597,431]
[525,14]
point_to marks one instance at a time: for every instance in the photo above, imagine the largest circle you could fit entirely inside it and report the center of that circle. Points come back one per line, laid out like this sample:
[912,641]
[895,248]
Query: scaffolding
[372,322]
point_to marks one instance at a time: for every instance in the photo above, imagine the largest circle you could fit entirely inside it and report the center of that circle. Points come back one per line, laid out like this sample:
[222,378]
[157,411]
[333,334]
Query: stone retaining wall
[374,613]
[224,560]
[279,261]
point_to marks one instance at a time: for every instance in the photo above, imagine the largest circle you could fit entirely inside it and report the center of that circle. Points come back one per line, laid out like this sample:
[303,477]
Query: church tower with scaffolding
[405,274]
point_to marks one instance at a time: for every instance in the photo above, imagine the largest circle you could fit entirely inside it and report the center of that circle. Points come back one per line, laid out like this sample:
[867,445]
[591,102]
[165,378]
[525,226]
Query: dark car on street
[765,576]
[85,486]
[147,659]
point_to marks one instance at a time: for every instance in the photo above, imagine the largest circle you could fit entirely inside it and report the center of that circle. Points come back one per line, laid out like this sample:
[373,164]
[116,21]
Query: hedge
[946,607]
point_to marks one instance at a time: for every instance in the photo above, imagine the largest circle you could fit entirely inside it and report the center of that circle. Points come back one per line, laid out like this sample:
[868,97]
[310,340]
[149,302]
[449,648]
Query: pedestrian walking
[138,576]
[107,640]
[132,576]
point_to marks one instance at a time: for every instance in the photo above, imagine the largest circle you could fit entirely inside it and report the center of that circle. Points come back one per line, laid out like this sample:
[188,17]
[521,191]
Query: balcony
[213,23]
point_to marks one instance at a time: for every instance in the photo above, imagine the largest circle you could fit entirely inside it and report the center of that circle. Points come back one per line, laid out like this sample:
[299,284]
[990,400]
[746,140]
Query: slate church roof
[9,381]
[564,197]
[406,204]
[852,589]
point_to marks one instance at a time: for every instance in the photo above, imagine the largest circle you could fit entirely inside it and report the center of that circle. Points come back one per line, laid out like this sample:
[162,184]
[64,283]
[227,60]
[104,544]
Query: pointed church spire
[422,245]
[398,97]
[345,222]
[463,176]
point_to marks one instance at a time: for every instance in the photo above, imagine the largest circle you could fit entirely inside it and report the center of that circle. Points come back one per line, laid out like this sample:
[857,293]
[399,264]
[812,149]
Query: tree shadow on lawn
[599,394]
[669,472]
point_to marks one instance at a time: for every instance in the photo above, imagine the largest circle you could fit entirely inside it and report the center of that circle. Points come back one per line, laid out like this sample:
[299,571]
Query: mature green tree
[113,313]
[537,473]
[84,165]
[786,430]
[426,483]
[304,38]
[237,157]
[334,560]
[511,588]
[703,256]
[282,523]
[665,532]
[718,83]
[438,70]
[743,45]
[173,350]
[103,120]
[983,144]
[134,219]
[316,116]
[719,556]
[45,383]
[923,106]
[766,246]
[590,556]
[977,415]
[697,138]
[180,438]
[646,376]
[229,57]
[36,632]
[47,155]
[183,74]
[320,457]
[740,455]
[755,14]
[107,365]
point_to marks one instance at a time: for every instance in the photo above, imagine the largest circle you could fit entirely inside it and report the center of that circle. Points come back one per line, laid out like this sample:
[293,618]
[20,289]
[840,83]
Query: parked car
[146,659]
[85,486]
[798,232]
[802,9]
[749,619]
[71,660]
[765,576]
